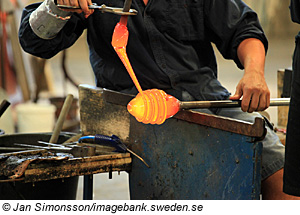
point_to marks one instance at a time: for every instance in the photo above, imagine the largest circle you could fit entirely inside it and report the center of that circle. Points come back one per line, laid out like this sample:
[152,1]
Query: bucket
[57,189]
[34,117]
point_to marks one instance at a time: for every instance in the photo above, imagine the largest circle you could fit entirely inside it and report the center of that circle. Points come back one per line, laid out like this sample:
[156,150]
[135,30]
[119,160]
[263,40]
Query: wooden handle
[62,116]
[4,105]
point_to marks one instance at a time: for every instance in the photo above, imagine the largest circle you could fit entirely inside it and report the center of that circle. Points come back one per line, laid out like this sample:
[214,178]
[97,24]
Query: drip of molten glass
[153,106]
[119,42]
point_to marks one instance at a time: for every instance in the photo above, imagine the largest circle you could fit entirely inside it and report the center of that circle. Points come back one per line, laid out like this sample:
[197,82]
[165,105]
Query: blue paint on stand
[192,161]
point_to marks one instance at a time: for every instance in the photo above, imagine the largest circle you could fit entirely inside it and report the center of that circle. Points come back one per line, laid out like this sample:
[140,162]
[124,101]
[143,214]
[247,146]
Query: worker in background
[170,49]
[292,153]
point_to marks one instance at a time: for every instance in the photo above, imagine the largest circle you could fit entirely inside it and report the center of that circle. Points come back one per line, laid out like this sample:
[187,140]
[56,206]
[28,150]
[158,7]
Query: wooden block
[283,111]
[18,58]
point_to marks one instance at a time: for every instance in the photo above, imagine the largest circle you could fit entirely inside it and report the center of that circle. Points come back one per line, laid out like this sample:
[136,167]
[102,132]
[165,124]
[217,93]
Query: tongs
[103,8]
[110,141]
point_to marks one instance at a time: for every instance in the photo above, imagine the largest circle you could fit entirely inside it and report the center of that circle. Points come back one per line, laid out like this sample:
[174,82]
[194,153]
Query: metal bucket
[58,189]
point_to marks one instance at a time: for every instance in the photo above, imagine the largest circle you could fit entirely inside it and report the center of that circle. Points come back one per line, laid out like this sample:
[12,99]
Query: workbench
[191,156]
[44,174]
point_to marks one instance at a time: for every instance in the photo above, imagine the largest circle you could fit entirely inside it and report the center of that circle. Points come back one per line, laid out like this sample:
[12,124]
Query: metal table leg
[88,187]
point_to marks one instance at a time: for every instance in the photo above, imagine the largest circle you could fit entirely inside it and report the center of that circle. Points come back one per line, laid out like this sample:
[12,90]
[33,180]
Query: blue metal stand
[192,161]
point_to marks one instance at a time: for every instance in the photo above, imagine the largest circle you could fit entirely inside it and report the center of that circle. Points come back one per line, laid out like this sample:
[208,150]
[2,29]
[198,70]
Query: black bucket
[58,189]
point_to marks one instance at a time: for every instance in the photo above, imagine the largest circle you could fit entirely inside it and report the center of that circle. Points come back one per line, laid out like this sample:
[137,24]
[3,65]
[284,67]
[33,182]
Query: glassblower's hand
[255,92]
[83,4]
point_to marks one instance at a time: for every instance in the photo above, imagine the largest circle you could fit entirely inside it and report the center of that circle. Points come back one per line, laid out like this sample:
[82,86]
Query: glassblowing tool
[110,141]
[155,106]
[76,151]
[103,8]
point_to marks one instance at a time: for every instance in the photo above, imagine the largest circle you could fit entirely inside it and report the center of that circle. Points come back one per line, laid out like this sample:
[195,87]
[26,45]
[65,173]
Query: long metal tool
[227,103]
[111,141]
[77,151]
[103,8]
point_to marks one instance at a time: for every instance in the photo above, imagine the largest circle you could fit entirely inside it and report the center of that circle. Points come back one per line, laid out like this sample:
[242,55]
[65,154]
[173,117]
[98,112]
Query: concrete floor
[279,57]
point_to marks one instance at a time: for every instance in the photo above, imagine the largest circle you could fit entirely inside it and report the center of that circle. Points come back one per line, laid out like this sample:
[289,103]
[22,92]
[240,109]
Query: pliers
[103,8]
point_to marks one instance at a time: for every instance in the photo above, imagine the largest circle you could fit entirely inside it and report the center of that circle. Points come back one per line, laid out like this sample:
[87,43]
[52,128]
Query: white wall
[274,16]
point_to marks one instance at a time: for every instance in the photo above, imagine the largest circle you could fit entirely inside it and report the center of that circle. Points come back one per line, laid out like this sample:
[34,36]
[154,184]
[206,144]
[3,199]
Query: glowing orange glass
[153,106]
[119,42]
[149,106]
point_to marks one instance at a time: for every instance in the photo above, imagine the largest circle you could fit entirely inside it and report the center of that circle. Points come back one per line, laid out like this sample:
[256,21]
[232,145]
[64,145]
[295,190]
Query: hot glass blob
[119,42]
[149,106]
[153,106]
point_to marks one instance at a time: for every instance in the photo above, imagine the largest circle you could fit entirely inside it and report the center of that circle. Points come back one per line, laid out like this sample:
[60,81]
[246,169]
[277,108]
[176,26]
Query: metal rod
[227,103]
[127,5]
[138,157]
[53,144]
[44,147]
[13,149]
[88,187]
[103,8]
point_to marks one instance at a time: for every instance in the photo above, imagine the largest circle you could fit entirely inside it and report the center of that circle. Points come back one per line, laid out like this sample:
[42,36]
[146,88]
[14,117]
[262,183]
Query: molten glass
[119,42]
[153,106]
[150,106]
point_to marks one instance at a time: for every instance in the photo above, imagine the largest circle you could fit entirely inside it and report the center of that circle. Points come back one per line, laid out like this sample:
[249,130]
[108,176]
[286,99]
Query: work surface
[42,164]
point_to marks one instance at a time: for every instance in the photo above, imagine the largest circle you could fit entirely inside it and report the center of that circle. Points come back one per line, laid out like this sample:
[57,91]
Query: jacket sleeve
[295,10]
[228,23]
[47,48]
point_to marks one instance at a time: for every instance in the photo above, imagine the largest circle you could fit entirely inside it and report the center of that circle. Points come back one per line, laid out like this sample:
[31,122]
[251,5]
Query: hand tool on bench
[76,151]
[155,106]
[13,149]
[110,141]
